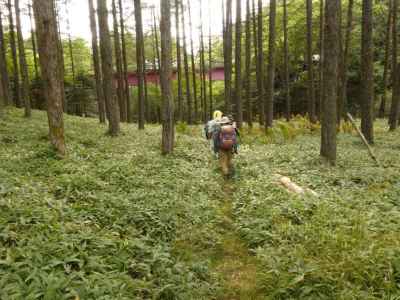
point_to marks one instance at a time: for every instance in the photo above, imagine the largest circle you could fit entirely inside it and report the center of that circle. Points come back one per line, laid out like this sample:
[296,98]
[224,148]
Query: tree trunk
[329,107]
[247,84]
[260,63]
[13,46]
[196,116]
[203,67]
[60,48]
[389,28]
[255,46]
[367,71]
[395,107]
[238,65]
[22,63]
[310,68]
[5,81]
[118,62]
[96,64]
[168,130]
[139,61]
[210,80]
[321,55]
[157,53]
[126,93]
[47,35]
[33,38]
[178,62]
[286,61]
[269,104]
[107,68]
[186,67]
[228,57]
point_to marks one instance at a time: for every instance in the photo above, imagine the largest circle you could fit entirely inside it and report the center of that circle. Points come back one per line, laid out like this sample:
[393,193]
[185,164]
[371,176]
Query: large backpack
[227,137]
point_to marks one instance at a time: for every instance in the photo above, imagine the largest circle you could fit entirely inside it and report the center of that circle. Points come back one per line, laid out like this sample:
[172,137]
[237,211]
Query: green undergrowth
[116,220]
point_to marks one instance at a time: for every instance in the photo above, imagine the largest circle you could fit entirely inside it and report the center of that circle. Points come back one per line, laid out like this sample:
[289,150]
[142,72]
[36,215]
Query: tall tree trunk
[203,66]
[126,94]
[395,107]
[255,46]
[388,39]
[13,46]
[310,68]
[60,48]
[339,110]
[96,64]
[321,55]
[33,38]
[107,68]
[146,94]
[71,49]
[346,53]
[228,57]
[168,130]
[139,61]
[210,79]
[22,62]
[118,62]
[194,79]
[331,50]
[367,71]
[248,65]
[5,81]
[238,65]
[260,63]
[178,62]
[186,67]
[157,53]
[269,105]
[286,61]
[47,35]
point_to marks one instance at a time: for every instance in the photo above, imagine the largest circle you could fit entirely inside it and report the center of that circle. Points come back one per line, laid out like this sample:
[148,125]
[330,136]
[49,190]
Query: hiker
[211,130]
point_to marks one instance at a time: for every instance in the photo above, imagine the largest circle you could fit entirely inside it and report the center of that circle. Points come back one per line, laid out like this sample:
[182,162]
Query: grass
[116,220]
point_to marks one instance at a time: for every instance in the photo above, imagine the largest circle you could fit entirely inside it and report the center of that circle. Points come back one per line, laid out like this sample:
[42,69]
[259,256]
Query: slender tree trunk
[107,68]
[139,60]
[60,56]
[286,60]
[186,67]
[260,63]
[126,94]
[395,106]
[269,105]
[321,55]
[194,79]
[310,69]
[157,52]
[118,62]
[367,71]
[255,46]
[5,81]
[33,38]
[168,130]
[22,63]
[146,94]
[228,58]
[203,66]
[247,84]
[238,65]
[339,110]
[96,64]
[331,50]
[389,29]
[13,46]
[47,35]
[178,62]
[210,79]
[70,49]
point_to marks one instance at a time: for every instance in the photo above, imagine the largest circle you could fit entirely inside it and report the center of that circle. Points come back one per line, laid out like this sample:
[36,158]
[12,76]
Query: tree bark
[194,79]
[238,65]
[46,27]
[310,68]
[286,61]
[178,62]
[329,107]
[33,38]
[107,69]
[389,28]
[13,46]
[203,67]
[210,80]
[127,97]
[395,106]
[367,71]
[247,84]
[96,64]
[186,67]
[269,104]
[22,63]
[260,63]
[168,130]
[321,56]
[139,61]
[118,62]
[228,57]
[5,81]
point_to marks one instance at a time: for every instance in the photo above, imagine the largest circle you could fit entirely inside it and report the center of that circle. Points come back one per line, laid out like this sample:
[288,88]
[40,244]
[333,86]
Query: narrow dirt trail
[233,263]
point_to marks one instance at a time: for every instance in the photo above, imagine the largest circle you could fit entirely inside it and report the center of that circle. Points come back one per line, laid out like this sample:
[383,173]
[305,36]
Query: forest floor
[116,220]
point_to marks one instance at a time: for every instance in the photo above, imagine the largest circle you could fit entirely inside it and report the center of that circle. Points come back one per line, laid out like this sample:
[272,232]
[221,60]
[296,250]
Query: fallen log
[293,187]
[361,135]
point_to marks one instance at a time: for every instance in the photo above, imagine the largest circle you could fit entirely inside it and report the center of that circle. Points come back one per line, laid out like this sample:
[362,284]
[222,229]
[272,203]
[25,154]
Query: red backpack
[227,137]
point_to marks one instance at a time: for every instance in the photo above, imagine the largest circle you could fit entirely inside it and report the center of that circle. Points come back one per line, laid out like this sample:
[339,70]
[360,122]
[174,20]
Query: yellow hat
[217,115]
